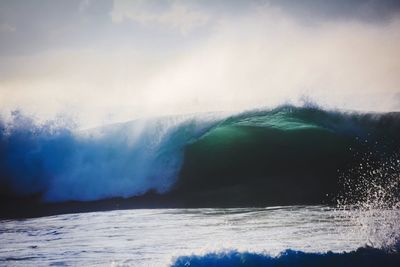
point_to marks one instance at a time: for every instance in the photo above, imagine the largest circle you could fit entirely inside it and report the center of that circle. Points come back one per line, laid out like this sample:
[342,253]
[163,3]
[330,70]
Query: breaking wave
[120,160]
[360,257]
[291,152]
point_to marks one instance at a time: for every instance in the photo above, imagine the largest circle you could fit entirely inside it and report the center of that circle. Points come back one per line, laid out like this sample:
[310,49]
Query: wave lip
[361,257]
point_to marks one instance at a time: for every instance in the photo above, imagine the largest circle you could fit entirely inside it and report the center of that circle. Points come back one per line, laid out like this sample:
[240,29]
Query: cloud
[175,15]
[323,10]
[7,28]
[84,5]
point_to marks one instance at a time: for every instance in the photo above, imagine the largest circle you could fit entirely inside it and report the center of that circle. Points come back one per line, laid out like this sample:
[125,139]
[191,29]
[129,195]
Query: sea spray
[371,199]
[119,160]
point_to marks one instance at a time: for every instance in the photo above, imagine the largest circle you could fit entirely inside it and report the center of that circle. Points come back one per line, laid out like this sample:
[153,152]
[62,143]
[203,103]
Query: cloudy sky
[104,61]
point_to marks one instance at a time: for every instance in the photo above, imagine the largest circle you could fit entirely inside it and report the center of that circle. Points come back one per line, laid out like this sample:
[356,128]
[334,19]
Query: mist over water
[120,160]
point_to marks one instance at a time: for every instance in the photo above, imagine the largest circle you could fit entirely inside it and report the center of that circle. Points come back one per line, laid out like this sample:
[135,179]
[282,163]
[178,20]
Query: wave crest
[184,154]
[361,257]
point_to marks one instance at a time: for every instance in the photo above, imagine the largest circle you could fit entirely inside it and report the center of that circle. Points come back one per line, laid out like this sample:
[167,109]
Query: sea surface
[164,237]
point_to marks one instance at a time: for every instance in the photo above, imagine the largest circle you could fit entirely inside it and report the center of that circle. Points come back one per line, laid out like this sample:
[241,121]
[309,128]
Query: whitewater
[199,237]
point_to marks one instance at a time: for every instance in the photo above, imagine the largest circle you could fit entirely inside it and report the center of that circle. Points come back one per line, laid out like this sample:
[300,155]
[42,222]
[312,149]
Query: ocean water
[280,158]
[165,237]
[201,160]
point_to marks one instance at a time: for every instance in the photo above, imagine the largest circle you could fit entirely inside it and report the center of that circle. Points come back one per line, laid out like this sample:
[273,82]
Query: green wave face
[283,119]
[284,156]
